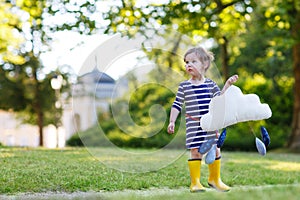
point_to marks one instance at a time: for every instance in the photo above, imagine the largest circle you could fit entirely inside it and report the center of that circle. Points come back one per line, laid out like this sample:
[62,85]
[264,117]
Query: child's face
[194,66]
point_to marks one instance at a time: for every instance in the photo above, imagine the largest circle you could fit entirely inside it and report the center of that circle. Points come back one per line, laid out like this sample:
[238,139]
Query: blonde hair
[202,54]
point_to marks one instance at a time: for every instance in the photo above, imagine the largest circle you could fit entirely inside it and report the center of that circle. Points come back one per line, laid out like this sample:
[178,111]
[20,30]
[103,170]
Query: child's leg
[195,154]
[218,153]
[195,171]
[214,179]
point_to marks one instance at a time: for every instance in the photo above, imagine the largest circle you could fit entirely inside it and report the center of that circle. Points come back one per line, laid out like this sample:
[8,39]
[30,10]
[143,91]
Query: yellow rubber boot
[195,169]
[214,179]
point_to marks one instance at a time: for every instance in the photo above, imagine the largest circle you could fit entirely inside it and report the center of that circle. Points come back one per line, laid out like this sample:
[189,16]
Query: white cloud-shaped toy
[233,107]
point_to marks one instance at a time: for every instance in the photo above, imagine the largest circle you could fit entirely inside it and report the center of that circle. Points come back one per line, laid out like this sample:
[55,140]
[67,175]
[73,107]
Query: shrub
[239,136]
[74,140]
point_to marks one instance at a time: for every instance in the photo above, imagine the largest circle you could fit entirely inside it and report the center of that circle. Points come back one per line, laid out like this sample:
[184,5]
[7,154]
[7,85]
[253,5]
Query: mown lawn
[28,170]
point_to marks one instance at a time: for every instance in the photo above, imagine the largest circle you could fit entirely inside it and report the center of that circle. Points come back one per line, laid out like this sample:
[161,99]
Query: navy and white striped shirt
[196,99]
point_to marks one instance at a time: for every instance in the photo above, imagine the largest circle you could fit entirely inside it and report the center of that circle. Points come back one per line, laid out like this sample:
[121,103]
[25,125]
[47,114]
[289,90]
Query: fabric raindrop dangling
[206,146]
[265,136]
[261,148]
[211,155]
[221,139]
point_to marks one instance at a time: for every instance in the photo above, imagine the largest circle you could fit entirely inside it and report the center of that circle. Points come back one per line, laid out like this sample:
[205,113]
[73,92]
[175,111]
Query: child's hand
[229,82]
[232,80]
[171,127]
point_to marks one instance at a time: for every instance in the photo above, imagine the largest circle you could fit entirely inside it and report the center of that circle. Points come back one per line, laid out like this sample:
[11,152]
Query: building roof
[96,76]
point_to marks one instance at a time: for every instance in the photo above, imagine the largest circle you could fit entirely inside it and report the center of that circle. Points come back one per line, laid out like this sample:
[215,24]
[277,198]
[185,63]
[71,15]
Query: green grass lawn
[28,170]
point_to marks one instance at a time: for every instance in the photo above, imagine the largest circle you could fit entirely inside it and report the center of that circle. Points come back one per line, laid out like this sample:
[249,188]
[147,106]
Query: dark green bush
[74,141]
[239,137]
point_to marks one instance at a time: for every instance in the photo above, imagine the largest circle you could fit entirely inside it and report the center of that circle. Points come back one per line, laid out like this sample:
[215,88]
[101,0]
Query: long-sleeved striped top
[196,99]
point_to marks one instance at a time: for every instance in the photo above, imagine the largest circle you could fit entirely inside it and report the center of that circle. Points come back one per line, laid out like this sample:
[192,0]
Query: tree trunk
[37,106]
[40,122]
[294,140]
[225,59]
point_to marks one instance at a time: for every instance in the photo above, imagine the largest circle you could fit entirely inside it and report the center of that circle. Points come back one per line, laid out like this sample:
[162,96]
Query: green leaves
[187,15]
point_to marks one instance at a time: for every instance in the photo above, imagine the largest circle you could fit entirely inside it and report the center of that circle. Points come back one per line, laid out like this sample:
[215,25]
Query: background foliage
[258,52]
[259,40]
[27,27]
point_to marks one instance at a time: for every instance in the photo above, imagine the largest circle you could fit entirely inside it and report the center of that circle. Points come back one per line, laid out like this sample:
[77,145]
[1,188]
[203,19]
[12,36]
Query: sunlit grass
[273,165]
[6,155]
[24,170]
[285,166]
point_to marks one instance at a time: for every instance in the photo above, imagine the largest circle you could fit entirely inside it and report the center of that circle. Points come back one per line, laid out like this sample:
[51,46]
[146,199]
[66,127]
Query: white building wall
[84,107]
[79,114]
[14,133]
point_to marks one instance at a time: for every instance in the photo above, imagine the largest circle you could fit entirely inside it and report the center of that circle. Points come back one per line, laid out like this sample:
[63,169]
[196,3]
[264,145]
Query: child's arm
[173,116]
[229,82]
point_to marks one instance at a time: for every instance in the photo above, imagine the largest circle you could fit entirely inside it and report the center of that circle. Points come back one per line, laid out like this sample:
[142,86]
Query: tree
[221,20]
[284,18]
[225,22]
[266,55]
[21,69]
[294,141]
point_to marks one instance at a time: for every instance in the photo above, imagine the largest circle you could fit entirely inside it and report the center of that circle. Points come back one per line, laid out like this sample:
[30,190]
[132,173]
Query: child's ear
[206,65]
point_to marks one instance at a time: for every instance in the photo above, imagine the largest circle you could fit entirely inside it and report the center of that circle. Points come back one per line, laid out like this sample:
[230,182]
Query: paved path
[126,193]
